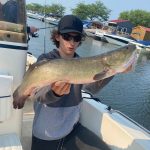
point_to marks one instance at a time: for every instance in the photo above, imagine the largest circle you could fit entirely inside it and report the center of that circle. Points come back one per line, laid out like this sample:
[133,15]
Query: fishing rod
[46,27]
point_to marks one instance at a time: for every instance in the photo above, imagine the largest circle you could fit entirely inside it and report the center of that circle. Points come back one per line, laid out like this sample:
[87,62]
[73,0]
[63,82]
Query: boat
[34,15]
[116,39]
[110,29]
[113,128]
[94,29]
[99,35]
[52,18]
[146,43]
[121,40]
[90,32]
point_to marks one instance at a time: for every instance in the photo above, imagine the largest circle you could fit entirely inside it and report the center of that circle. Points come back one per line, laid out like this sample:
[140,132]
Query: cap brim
[70,30]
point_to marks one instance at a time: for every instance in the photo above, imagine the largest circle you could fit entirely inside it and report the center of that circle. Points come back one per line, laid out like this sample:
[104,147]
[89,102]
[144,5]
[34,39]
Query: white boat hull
[12,65]
[51,20]
[117,40]
[121,41]
[116,130]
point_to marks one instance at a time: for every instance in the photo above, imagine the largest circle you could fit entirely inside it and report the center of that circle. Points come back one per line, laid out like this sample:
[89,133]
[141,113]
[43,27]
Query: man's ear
[57,37]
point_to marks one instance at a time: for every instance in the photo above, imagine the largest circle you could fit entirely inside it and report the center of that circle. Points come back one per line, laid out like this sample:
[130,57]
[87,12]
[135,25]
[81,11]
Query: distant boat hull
[51,20]
[35,16]
[117,40]
[122,41]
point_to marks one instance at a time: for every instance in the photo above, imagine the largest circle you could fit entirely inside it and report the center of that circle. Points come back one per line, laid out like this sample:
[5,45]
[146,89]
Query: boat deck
[27,130]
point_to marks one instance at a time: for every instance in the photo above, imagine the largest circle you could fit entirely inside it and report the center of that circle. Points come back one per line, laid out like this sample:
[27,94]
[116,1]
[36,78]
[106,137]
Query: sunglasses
[68,37]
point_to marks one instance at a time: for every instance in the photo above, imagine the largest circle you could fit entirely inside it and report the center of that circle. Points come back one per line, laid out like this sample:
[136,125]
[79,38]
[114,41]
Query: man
[57,111]
[57,107]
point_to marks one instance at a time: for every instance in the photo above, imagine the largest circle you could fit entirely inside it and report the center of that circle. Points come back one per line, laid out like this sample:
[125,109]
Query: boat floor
[84,134]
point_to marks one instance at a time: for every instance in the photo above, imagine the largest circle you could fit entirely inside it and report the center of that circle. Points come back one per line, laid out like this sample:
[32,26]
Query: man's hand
[60,88]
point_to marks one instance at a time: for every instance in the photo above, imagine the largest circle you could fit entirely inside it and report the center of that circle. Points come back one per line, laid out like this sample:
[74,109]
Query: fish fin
[36,64]
[100,75]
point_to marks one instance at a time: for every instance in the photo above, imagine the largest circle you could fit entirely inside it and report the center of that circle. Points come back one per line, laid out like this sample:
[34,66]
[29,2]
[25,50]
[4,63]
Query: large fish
[74,70]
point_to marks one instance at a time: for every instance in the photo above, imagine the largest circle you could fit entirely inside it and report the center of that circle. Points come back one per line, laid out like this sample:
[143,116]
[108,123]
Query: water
[129,93]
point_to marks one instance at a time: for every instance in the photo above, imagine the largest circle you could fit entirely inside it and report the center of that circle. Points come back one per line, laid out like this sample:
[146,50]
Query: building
[141,33]
[124,26]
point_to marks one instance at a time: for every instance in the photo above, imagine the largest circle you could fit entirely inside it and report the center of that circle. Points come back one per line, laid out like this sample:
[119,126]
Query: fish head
[19,100]
[121,58]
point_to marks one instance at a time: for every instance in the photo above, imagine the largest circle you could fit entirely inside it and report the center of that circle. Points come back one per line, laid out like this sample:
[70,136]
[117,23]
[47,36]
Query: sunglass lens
[69,37]
[66,37]
[77,38]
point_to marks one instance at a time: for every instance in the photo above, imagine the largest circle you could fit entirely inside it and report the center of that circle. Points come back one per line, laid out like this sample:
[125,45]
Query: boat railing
[131,120]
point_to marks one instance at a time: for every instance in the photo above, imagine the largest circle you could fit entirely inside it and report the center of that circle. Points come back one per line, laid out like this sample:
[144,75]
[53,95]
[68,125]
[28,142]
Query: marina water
[128,93]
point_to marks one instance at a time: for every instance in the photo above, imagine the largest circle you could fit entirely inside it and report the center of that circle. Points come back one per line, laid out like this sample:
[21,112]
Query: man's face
[69,42]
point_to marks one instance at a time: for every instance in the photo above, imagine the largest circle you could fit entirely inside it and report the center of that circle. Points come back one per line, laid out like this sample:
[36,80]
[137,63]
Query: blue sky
[116,6]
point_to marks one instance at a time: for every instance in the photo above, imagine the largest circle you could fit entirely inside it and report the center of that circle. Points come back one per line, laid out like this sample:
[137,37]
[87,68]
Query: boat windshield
[13,21]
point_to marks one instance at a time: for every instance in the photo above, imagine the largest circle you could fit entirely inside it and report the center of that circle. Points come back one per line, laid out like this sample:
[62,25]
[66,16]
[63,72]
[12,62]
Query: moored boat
[51,20]
[121,40]
[35,16]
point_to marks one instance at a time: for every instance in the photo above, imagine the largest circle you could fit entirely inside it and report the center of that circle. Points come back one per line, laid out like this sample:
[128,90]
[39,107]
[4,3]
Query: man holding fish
[57,105]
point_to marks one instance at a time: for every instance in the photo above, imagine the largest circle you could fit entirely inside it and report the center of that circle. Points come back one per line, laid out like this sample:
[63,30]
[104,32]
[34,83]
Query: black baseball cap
[70,23]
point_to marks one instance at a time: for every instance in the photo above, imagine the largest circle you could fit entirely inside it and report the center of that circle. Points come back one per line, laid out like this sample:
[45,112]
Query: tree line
[94,11]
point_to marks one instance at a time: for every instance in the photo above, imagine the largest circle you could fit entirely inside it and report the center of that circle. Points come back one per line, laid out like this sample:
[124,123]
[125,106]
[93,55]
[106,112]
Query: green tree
[34,7]
[57,9]
[137,17]
[81,11]
[92,11]
[54,8]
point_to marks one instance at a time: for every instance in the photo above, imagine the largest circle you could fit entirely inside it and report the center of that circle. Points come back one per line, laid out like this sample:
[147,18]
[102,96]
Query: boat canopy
[13,21]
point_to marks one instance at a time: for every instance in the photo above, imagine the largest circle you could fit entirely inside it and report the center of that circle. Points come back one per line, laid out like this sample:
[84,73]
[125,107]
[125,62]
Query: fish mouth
[19,101]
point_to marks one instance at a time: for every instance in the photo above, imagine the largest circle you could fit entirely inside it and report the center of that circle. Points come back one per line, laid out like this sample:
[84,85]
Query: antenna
[45,28]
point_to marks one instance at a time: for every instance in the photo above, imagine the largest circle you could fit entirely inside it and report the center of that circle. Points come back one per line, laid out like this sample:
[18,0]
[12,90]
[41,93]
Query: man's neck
[62,55]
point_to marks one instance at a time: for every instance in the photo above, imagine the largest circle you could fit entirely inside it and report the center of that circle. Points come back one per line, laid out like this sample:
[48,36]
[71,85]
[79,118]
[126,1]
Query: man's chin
[70,51]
